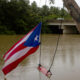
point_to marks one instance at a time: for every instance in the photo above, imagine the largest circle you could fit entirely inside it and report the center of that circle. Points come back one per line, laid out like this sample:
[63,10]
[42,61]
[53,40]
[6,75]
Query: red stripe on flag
[14,64]
[15,50]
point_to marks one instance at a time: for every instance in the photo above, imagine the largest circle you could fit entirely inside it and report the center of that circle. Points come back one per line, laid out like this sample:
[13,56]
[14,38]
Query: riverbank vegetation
[18,16]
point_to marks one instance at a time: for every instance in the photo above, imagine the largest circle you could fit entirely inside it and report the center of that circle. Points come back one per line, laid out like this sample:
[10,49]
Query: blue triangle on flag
[33,39]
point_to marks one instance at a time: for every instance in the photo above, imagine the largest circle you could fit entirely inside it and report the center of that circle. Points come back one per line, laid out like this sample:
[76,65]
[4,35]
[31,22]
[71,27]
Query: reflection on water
[66,64]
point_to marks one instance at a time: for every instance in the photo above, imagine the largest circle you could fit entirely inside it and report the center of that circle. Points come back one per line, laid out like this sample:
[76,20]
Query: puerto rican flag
[23,48]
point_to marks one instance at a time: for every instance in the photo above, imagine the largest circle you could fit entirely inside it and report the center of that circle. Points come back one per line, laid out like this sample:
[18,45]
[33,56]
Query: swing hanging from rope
[40,67]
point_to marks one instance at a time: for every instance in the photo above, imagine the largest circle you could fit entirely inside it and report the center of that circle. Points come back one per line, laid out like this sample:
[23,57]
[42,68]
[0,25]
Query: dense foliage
[18,16]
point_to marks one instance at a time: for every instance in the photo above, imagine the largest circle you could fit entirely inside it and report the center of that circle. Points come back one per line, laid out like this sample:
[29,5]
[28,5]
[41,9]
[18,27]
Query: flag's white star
[36,38]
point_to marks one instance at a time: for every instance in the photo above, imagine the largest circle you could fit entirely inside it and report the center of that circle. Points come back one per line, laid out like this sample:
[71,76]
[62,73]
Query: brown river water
[66,65]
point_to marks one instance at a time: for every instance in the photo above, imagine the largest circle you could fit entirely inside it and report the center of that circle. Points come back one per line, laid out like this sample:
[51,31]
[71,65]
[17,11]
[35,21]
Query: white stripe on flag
[24,39]
[16,56]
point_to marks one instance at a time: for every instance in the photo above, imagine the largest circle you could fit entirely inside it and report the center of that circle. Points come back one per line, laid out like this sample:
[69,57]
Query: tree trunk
[74,11]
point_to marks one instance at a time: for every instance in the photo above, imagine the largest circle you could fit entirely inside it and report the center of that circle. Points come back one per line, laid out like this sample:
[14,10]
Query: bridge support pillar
[69,29]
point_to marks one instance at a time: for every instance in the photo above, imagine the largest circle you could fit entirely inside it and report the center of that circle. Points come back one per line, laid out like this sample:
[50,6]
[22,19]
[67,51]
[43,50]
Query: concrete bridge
[68,26]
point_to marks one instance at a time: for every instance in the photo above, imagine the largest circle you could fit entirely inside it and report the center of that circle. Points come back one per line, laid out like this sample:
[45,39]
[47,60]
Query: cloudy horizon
[58,3]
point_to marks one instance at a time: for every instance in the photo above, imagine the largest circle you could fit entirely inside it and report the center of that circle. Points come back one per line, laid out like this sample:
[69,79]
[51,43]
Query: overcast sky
[58,3]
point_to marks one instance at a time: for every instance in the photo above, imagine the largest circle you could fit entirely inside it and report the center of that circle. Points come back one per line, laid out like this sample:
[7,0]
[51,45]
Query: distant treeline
[18,16]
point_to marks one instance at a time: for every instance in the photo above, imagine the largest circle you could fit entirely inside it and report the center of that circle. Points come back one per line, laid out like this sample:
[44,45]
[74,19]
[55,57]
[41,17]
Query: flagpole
[5,78]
